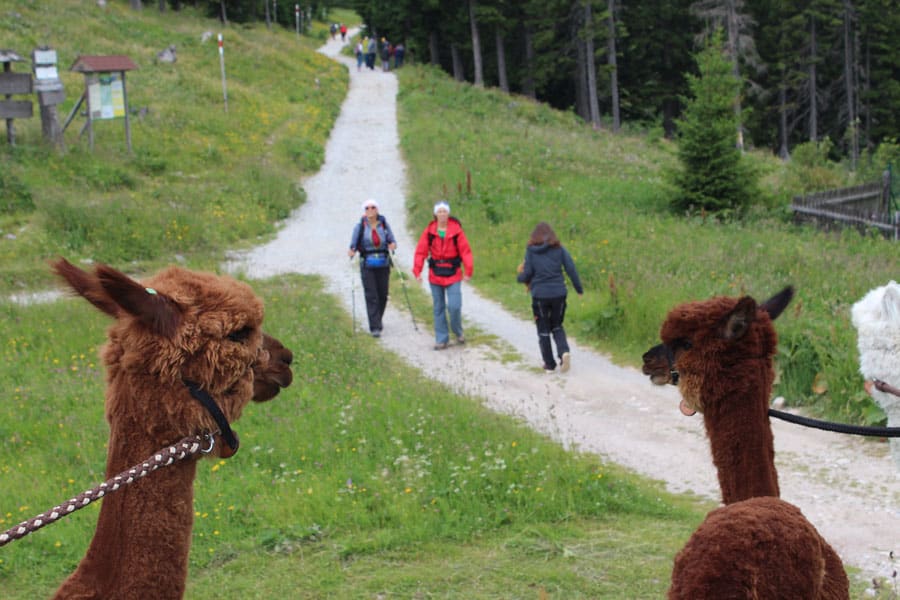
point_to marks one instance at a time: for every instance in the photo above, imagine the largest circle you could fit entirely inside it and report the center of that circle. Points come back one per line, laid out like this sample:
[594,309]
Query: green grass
[606,197]
[200,179]
[372,469]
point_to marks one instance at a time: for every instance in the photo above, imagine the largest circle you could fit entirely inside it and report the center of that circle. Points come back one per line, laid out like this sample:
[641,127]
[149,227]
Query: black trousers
[549,314]
[375,282]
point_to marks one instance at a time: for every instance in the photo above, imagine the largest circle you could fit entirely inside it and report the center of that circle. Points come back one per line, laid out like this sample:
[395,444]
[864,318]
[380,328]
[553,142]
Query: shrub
[713,177]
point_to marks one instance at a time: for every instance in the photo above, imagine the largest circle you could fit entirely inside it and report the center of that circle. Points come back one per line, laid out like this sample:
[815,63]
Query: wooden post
[89,125]
[10,127]
[127,121]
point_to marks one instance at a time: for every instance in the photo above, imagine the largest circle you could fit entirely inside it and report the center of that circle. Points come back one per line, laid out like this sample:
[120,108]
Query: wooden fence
[866,207]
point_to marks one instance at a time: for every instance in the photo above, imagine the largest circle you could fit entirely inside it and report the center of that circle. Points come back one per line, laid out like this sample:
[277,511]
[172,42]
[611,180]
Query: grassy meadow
[354,482]
[362,482]
[505,163]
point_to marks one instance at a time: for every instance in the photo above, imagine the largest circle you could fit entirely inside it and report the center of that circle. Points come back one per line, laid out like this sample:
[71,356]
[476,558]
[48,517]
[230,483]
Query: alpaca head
[175,331]
[876,318]
[705,343]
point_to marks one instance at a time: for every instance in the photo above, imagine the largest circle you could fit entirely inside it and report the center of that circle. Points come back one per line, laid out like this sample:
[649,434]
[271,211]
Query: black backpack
[445,267]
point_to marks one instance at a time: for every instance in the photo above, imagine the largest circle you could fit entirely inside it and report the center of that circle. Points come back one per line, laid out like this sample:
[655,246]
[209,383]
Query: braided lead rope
[185,448]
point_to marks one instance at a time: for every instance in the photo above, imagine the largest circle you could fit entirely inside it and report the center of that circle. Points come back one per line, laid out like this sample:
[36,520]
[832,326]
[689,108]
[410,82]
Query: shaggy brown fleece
[720,354]
[174,327]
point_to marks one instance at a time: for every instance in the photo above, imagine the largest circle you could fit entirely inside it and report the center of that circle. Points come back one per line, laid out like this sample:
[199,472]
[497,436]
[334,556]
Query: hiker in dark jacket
[542,271]
[373,239]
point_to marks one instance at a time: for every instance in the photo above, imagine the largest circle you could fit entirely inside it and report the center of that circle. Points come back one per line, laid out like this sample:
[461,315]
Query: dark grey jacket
[543,271]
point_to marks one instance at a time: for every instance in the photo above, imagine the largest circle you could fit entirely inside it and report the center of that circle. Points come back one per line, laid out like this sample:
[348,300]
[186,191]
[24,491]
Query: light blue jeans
[447,299]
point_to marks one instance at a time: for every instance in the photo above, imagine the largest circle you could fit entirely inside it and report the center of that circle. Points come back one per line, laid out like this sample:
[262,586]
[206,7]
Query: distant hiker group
[367,49]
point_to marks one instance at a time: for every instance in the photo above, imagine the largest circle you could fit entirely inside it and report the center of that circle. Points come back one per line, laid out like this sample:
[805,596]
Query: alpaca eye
[240,335]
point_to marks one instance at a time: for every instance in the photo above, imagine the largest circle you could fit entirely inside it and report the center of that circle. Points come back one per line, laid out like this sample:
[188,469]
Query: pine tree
[713,177]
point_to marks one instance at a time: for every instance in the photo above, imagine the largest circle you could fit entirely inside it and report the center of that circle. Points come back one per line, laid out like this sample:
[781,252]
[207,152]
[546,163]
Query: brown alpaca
[176,327]
[719,353]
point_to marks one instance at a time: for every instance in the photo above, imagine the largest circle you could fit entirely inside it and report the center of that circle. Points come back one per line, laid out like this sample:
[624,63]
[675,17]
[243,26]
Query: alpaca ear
[86,285]
[157,312]
[777,303]
[738,322]
[890,302]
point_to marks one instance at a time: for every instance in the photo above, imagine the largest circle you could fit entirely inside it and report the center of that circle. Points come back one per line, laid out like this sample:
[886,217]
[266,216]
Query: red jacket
[454,244]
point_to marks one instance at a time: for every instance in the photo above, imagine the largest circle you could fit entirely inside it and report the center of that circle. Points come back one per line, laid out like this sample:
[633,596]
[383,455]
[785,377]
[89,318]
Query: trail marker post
[49,90]
[222,67]
[297,18]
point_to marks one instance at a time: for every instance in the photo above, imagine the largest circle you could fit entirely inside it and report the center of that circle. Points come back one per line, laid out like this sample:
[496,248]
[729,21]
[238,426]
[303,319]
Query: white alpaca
[877,320]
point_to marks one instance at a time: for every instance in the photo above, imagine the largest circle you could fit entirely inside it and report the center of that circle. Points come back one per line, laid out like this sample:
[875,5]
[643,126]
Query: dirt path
[846,486]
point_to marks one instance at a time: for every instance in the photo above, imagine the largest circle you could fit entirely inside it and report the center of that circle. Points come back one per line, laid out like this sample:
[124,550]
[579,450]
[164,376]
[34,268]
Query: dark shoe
[565,361]
[442,346]
[376,333]
[461,340]
[548,369]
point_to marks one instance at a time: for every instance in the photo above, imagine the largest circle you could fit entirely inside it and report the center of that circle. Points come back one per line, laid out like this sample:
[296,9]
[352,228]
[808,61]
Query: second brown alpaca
[720,353]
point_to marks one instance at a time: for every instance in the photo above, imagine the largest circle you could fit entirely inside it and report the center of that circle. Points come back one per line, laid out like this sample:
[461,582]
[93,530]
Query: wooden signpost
[10,84]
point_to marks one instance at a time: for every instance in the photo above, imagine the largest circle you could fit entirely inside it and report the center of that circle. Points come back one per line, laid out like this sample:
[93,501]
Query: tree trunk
[268,17]
[783,151]
[136,4]
[476,44]
[593,103]
[582,105]
[813,89]
[528,73]
[458,72]
[852,132]
[433,48]
[613,66]
[501,61]
[734,50]
[223,14]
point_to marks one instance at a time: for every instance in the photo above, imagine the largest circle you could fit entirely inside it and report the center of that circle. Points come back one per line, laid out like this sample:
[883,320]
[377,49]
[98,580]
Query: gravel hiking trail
[846,485]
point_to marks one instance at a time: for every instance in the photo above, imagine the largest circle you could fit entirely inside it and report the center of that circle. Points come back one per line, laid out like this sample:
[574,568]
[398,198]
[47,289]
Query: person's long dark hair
[543,234]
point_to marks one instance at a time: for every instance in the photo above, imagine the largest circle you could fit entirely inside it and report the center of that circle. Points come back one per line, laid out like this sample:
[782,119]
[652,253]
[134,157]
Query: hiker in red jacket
[444,244]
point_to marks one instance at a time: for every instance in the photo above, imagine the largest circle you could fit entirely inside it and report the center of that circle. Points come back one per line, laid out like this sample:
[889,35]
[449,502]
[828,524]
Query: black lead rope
[836,427]
[207,401]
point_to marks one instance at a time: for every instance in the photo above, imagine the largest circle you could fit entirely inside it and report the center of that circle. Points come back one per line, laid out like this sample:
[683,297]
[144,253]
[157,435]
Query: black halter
[207,401]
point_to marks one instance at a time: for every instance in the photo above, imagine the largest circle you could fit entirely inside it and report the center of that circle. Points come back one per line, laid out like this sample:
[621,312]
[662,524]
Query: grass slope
[606,197]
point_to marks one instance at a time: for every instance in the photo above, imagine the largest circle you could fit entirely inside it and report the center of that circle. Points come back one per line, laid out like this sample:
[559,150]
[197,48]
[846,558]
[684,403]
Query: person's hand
[392,246]
[520,268]
[351,252]
[466,277]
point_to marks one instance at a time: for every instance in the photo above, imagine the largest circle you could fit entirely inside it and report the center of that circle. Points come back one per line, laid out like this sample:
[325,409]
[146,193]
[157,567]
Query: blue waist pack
[376,260]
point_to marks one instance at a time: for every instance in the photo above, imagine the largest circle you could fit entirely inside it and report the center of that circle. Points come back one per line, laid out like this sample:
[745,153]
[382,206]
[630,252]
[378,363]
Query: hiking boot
[441,346]
[564,362]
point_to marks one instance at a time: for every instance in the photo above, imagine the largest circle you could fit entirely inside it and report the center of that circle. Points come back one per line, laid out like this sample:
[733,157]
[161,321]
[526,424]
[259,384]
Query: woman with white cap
[444,244]
[373,239]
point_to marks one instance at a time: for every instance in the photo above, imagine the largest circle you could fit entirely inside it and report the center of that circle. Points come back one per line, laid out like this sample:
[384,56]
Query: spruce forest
[809,69]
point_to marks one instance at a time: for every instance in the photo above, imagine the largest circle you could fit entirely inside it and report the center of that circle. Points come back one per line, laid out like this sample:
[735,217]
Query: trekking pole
[405,293]
[353,295]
